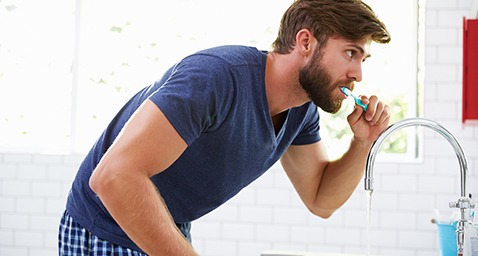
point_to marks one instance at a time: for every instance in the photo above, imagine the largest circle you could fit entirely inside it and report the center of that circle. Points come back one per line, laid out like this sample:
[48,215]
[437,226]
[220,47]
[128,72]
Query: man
[218,120]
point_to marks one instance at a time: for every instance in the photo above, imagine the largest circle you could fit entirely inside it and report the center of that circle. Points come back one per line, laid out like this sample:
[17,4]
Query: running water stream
[369,221]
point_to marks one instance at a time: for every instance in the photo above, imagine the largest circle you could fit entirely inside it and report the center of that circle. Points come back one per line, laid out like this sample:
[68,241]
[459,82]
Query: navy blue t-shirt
[216,101]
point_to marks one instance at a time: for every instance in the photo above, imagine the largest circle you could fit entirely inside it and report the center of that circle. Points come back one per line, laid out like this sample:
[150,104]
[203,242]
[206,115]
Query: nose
[355,72]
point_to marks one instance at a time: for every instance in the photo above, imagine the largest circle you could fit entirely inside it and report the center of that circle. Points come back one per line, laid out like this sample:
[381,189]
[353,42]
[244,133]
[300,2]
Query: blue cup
[447,238]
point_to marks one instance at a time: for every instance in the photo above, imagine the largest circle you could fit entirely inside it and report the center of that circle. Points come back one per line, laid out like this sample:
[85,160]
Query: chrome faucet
[464,203]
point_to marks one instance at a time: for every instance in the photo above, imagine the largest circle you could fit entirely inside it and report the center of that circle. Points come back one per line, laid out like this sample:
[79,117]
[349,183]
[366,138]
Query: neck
[282,86]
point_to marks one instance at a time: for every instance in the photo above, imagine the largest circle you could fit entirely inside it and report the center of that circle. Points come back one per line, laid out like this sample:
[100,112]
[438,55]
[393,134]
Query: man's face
[336,65]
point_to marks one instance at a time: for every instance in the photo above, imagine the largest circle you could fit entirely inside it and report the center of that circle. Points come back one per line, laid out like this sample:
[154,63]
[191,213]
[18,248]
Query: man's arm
[146,146]
[325,185]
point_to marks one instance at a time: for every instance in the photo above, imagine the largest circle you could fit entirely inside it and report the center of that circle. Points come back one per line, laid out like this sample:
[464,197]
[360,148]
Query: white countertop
[292,253]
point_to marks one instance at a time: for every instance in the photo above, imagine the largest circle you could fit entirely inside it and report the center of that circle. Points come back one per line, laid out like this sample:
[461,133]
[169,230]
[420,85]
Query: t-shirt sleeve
[196,96]
[310,131]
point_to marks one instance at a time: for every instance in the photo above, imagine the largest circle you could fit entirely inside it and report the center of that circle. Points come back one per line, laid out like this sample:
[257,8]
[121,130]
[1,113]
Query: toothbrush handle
[361,104]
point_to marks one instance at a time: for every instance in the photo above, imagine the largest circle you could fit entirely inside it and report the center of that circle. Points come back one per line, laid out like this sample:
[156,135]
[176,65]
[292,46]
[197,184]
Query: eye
[351,53]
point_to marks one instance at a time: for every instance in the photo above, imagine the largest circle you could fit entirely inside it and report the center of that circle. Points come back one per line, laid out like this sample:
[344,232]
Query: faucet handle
[462,203]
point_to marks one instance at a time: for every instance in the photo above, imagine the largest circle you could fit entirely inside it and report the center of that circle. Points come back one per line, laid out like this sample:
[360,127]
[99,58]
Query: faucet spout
[369,186]
[464,203]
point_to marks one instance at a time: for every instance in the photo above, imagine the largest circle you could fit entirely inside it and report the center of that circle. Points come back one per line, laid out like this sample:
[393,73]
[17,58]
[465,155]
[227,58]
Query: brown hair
[350,19]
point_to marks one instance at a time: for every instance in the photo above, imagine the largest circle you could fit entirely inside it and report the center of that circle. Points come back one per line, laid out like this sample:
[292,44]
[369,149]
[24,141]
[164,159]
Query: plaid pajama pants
[74,240]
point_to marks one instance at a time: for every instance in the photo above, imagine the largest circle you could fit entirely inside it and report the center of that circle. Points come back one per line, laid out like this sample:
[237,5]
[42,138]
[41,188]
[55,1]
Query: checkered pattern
[74,240]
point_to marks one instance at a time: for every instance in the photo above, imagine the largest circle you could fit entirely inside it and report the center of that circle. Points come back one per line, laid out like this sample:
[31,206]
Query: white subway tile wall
[33,189]
[268,215]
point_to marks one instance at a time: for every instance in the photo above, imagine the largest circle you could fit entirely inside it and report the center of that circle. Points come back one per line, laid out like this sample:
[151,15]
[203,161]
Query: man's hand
[368,125]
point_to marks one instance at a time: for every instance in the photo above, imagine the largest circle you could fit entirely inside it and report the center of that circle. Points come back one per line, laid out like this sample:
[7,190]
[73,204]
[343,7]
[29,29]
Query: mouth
[349,84]
[344,96]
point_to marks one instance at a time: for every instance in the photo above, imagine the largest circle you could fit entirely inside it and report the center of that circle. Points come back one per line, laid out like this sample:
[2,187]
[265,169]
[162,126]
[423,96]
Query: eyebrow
[361,50]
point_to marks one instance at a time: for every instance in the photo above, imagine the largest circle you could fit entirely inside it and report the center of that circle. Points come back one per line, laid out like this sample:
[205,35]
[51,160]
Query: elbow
[111,177]
[322,212]
[96,182]
[100,179]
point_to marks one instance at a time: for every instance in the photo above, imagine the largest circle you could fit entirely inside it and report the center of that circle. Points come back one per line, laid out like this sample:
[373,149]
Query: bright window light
[66,67]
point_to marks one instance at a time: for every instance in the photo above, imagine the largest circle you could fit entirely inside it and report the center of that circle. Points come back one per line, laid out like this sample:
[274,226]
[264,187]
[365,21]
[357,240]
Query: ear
[305,41]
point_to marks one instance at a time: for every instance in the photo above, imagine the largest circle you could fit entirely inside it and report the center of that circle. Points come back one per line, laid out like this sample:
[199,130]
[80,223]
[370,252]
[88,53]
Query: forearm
[138,208]
[341,177]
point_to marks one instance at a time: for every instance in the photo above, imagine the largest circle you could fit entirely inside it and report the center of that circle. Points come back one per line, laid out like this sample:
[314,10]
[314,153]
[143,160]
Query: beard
[317,83]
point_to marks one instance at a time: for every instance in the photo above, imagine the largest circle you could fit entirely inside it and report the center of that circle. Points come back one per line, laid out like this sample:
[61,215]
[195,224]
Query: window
[392,73]
[66,67]
[36,48]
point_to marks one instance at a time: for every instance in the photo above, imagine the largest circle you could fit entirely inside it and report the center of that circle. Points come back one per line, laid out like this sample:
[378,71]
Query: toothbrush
[358,101]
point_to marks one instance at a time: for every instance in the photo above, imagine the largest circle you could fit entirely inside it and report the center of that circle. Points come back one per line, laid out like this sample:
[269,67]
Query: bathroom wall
[269,215]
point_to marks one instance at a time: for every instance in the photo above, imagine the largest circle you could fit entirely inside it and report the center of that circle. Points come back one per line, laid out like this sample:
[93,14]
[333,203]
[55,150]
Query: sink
[291,253]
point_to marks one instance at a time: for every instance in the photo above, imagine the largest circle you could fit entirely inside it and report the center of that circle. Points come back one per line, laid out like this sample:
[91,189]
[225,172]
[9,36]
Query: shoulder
[221,64]
[233,55]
